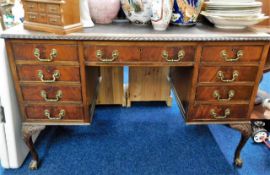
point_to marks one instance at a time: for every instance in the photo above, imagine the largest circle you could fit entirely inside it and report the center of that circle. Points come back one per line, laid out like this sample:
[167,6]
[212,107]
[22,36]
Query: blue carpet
[145,139]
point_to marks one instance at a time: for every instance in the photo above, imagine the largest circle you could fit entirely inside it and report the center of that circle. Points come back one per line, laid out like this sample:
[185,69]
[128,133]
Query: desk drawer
[54,20]
[232,53]
[227,74]
[224,93]
[168,54]
[43,52]
[48,73]
[56,94]
[111,53]
[220,112]
[53,9]
[54,113]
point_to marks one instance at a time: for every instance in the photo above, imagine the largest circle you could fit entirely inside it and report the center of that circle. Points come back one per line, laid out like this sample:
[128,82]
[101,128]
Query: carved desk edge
[129,32]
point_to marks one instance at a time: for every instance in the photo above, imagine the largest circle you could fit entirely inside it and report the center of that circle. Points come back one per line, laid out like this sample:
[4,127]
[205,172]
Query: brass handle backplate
[59,117]
[55,76]
[221,76]
[58,96]
[101,56]
[217,95]
[213,113]
[181,54]
[224,55]
[53,54]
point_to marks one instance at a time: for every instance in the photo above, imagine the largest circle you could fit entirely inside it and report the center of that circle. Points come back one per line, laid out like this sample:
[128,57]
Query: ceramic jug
[186,12]
[103,11]
[137,11]
[161,14]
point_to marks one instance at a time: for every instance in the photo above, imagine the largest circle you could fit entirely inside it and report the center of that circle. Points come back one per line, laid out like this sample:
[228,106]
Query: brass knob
[101,56]
[217,95]
[53,55]
[181,54]
[58,96]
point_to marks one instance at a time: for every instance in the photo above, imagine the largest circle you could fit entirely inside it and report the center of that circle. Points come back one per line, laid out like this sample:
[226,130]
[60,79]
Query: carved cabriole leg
[246,131]
[28,131]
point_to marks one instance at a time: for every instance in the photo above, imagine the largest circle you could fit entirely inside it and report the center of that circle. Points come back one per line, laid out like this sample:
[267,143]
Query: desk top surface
[131,32]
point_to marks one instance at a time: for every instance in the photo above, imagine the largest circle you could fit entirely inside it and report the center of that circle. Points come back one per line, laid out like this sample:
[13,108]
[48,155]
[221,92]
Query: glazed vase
[103,11]
[137,11]
[161,14]
[186,12]
[85,15]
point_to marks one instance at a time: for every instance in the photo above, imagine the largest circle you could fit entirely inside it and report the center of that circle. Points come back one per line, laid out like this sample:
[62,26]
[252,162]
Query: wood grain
[111,89]
[148,84]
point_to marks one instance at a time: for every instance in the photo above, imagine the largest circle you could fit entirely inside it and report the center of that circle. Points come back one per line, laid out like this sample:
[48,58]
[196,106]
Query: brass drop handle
[217,95]
[53,55]
[56,75]
[224,55]
[213,113]
[221,76]
[181,54]
[101,56]
[60,116]
[58,96]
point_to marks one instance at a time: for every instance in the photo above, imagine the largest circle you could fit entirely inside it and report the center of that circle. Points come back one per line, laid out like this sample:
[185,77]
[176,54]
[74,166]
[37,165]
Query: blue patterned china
[186,12]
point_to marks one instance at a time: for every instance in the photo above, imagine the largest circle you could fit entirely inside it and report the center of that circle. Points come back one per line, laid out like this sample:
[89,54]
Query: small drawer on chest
[168,54]
[31,6]
[232,53]
[54,113]
[111,53]
[54,19]
[48,73]
[52,93]
[33,17]
[53,9]
[224,93]
[227,74]
[220,112]
[42,52]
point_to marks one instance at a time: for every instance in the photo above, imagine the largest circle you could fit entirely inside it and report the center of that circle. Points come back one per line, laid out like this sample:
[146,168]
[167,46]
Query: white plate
[233,1]
[228,5]
[233,22]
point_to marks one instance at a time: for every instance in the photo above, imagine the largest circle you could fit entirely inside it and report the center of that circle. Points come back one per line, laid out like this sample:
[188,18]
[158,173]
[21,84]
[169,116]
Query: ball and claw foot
[238,162]
[33,165]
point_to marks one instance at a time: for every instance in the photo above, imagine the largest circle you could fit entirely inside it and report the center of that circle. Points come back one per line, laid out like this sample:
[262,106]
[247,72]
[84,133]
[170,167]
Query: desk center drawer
[45,93]
[48,73]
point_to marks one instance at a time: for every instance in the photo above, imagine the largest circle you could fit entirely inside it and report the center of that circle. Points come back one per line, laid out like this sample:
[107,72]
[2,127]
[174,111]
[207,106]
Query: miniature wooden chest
[55,16]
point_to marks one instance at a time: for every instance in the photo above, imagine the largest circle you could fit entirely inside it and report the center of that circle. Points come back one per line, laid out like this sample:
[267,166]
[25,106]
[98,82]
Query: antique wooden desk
[214,73]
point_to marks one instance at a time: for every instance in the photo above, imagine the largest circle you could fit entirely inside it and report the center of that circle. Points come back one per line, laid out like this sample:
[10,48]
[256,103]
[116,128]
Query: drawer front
[54,113]
[42,18]
[220,112]
[42,8]
[53,9]
[54,20]
[30,6]
[224,93]
[232,53]
[227,74]
[47,73]
[111,53]
[41,52]
[168,54]
[32,17]
[44,93]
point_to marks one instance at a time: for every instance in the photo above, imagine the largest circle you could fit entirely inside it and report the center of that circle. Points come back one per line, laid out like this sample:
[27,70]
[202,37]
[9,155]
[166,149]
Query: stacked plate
[228,14]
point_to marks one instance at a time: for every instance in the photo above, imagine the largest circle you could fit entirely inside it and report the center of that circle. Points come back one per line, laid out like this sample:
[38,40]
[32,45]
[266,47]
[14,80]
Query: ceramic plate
[229,5]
